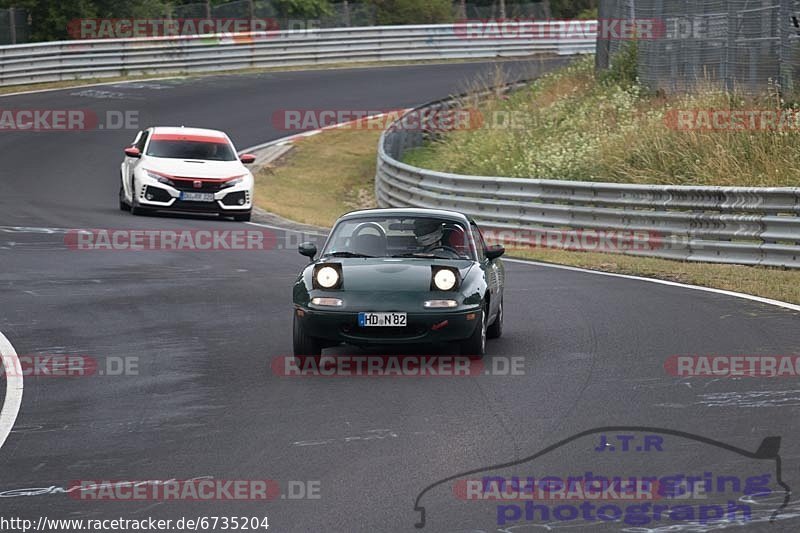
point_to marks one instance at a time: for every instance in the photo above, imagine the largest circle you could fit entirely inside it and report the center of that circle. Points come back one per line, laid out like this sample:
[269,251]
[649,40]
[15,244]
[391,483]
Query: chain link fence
[747,46]
[14,27]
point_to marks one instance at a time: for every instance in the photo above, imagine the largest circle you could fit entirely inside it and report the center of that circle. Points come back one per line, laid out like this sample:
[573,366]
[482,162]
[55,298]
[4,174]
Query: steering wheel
[373,225]
[446,249]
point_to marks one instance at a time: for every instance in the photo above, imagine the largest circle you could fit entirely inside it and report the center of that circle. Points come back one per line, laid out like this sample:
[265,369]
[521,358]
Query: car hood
[385,274]
[190,168]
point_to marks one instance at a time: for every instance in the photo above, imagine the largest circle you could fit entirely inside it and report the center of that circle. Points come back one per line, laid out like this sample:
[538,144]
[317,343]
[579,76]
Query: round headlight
[327,277]
[444,280]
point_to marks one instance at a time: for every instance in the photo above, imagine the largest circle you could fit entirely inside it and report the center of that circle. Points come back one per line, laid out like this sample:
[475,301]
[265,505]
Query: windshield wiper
[347,254]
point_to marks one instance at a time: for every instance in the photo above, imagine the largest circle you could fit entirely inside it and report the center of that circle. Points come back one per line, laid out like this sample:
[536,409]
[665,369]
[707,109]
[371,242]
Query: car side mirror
[493,252]
[247,159]
[308,249]
[132,151]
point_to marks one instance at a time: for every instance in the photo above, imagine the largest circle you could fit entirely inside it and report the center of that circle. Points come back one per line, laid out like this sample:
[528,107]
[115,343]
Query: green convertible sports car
[400,276]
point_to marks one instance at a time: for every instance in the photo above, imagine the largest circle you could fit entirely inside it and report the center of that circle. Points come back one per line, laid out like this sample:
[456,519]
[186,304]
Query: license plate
[381,320]
[197,196]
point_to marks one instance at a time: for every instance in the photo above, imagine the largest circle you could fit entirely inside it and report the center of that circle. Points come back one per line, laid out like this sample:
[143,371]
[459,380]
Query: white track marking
[13,399]
[100,84]
[758,299]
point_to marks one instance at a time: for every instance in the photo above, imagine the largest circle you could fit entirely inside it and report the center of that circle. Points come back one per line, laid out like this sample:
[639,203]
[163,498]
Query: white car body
[159,174]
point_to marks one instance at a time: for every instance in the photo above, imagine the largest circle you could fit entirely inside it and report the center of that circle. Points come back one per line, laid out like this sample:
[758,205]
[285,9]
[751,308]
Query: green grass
[322,177]
[571,125]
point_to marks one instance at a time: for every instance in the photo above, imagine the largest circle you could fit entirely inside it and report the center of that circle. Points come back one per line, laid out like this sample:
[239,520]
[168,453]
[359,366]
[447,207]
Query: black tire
[496,329]
[123,205]
[244,217]
[136,210]
[475,345]
[303,344]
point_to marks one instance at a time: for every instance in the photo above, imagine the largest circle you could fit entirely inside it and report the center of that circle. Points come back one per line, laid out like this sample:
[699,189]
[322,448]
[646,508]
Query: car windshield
[185,149]
[421,237]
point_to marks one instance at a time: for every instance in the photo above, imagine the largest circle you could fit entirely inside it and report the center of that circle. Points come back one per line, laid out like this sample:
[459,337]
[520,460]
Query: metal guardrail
[739,225]
[100,58]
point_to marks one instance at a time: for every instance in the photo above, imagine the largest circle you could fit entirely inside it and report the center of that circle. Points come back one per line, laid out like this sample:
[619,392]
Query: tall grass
[571,125]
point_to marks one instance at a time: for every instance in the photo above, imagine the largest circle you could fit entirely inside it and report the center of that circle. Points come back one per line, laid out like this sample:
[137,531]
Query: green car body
[386,284]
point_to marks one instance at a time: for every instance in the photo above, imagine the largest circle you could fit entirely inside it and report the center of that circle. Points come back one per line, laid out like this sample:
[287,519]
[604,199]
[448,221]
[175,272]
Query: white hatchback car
[185,169]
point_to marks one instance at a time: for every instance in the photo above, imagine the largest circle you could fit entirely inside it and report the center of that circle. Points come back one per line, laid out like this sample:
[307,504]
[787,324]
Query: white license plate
[197,196]
[381,320]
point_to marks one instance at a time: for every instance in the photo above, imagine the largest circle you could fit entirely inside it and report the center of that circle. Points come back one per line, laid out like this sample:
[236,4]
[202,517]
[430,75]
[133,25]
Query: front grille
[201,207]
[188,185]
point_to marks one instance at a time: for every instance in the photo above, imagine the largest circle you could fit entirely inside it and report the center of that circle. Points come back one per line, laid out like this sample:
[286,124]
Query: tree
[413,11]
[302,8]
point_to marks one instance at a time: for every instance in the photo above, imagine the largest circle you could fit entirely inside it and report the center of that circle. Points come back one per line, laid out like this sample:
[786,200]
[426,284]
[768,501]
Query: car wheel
[123,205]
[303,344]
[136,210]
[244,217]
[496,329]
[475,345]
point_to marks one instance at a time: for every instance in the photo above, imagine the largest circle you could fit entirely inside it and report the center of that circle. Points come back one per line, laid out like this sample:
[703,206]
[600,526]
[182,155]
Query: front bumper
[163,197]
[422,327]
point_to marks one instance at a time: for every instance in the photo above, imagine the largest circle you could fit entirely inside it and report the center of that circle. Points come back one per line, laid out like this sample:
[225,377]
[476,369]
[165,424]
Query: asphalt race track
[204,327]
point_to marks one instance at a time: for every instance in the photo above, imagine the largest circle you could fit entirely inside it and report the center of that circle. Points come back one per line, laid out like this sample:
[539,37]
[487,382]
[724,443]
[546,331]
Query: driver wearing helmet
[429,233]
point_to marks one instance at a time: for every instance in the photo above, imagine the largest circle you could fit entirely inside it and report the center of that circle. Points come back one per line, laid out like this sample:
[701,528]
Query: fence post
[602,56]
[12,25]
[502,9]
[784,52]
[208,9]
[346,13]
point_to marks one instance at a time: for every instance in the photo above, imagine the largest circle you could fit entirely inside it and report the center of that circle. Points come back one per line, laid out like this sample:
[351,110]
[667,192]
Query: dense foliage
[49,19]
